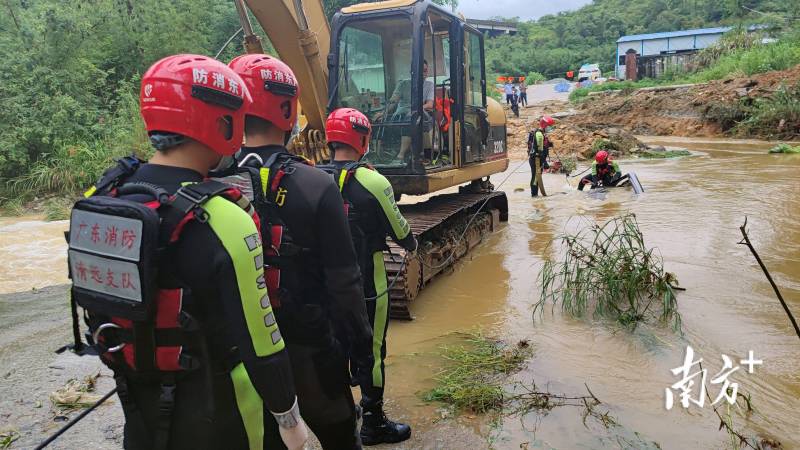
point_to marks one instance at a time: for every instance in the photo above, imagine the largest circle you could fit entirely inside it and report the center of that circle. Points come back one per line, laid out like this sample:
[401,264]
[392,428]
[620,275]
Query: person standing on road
[204,365]
[538,151]
[509,90]
[373,215]
[312,271]
[523,93]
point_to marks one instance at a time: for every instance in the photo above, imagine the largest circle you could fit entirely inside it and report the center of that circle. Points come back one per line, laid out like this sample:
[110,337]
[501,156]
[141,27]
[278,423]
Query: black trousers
[509,98]
[523,98]
[322,382]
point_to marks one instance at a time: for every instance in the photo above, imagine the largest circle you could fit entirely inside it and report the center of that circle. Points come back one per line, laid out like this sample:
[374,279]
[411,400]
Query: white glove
[292,428]
[295,438]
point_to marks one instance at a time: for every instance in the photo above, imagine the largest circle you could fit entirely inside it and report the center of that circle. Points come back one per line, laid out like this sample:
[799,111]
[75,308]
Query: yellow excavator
[417,71]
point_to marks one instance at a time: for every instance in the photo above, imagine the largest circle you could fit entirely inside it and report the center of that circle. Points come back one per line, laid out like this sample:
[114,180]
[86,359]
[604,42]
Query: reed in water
[607,270]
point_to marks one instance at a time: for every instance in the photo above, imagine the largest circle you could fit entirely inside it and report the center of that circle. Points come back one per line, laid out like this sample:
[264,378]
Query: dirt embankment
[609,120]
[701,110]
[571,139]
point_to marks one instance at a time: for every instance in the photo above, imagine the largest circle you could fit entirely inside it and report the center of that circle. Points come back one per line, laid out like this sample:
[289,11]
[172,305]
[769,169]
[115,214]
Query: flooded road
[691,211]
[33,253]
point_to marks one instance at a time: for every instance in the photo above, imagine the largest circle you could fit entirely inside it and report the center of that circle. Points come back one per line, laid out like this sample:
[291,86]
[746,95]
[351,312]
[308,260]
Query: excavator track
[438,224]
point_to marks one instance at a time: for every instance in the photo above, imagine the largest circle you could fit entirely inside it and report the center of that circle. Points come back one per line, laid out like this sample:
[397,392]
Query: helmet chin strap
[224,163]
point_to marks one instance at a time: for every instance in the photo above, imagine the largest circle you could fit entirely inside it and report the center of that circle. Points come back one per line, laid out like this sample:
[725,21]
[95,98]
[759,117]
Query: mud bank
[700,110]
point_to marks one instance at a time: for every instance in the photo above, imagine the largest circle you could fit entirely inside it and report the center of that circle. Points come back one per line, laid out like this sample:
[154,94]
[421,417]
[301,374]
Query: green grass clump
[785,148]
[568,164]
[654,154]
[608,270]
[57,208]
[777,116]
[477,372]
[12,207]
[7,438]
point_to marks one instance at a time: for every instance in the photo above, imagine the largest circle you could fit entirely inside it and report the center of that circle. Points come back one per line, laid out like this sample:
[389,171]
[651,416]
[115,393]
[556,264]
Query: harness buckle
[103,327]
[192,196]
[166,400]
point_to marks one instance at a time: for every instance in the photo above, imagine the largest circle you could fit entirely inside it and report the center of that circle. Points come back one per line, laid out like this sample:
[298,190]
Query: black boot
[377,429]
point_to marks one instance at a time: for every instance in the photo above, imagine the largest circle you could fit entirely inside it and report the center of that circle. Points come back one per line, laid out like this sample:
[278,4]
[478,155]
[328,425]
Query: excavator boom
[379,65]
[300,33]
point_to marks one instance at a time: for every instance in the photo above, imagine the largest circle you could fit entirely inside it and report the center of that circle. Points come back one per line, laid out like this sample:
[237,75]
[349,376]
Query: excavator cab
[417,72]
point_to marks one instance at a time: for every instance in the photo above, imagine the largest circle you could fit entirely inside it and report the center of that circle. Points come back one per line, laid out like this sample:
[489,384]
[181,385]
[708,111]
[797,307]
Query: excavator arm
[299,31]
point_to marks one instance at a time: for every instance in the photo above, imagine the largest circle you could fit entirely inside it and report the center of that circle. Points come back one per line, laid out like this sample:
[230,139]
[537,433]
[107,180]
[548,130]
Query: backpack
[136,314]
[260,181]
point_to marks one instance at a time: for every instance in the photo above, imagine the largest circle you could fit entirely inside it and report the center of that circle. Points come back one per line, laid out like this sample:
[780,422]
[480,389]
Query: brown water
[691,211]
[33,253]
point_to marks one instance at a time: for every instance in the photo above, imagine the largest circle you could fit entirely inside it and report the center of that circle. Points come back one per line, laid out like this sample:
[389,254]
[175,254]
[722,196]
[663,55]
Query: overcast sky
[524,9]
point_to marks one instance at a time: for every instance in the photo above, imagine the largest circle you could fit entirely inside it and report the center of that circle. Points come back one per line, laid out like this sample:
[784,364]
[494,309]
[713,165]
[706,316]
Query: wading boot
[377,429]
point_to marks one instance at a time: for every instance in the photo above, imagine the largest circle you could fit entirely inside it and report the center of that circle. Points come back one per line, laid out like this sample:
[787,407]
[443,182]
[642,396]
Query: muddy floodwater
[691,212]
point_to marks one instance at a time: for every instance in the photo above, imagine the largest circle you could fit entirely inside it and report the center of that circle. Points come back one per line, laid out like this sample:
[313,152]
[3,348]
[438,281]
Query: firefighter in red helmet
[373,214]
[311,269]
[605,172]
[183,318]
[539,146]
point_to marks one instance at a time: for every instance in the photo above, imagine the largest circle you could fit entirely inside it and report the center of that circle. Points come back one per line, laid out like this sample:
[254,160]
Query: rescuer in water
[605,172]
[539,146]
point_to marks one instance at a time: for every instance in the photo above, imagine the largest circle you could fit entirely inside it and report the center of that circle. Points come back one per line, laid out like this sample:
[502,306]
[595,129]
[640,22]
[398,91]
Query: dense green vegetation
[69,85]
[69,82]
[557,43]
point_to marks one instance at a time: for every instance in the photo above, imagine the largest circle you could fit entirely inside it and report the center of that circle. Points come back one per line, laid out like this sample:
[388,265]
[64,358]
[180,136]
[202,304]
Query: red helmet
[546,121]
[273,87]
[349,126]
[197,97]
[601,157]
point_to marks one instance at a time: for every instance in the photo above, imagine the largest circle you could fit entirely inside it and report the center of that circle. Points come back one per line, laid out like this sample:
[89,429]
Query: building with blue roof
[654,52]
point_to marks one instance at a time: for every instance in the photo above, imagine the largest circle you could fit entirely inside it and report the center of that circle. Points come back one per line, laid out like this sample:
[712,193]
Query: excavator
[417,71]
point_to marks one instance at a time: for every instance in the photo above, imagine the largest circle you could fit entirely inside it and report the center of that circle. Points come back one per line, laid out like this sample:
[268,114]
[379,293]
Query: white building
[655,46]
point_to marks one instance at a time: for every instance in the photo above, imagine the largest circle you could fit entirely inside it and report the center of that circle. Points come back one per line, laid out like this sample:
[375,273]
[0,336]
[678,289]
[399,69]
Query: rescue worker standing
[373,214]
[206,368]
[605,172]
[312,271]
[539,146]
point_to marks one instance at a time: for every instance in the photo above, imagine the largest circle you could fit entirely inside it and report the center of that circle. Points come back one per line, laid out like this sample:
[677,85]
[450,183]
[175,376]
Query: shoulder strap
[347,172]
[176,209]
[112,177]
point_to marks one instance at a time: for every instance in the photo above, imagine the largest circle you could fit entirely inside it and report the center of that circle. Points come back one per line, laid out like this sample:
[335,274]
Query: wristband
[290,418]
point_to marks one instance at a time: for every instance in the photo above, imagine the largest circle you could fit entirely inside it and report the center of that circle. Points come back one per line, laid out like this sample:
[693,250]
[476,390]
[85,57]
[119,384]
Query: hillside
[557,43]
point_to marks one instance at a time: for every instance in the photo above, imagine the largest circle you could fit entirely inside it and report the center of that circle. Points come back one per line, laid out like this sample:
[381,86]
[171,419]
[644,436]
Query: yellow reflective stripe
[381,189]
[90,192]
[238,234]
[250,406]
[264,172]
[342,178]
[381,315]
